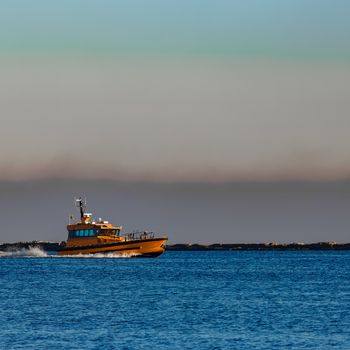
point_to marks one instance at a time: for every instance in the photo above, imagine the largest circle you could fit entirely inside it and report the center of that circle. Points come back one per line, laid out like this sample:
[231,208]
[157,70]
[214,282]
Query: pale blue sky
[290,28]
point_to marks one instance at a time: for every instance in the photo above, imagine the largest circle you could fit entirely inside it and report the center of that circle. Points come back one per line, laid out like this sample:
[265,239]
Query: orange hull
[151,247]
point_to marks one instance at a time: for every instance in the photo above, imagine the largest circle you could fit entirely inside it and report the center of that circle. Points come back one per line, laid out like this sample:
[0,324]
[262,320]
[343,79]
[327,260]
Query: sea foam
[36,252]
[31,252]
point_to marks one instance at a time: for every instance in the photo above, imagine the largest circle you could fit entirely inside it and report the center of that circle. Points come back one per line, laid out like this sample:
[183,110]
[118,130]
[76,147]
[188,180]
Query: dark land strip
[52,246]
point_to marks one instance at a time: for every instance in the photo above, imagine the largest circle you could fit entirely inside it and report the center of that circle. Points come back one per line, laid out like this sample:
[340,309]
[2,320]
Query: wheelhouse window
[82,233]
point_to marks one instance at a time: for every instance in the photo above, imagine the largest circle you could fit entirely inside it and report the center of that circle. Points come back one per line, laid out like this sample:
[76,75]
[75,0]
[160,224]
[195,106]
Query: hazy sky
[175,90]
[208,213]
[250,95]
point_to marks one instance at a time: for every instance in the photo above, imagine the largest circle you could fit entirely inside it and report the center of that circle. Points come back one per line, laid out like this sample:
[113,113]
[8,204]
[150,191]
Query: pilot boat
[90,237]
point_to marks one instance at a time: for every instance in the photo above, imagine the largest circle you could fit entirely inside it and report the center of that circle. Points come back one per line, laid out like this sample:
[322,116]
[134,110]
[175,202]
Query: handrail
[138,235]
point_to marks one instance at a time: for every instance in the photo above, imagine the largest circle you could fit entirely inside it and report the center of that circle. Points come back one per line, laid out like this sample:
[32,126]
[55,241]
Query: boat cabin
[89,228]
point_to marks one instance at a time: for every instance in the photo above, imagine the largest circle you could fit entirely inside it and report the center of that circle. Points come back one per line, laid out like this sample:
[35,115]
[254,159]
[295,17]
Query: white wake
[31,252]
[97,256]
[36,252]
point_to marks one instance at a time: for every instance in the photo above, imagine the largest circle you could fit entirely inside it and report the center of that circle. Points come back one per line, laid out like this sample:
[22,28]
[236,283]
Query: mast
[82,205]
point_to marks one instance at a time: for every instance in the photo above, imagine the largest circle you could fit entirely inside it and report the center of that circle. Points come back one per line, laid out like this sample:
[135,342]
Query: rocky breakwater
[54,247]
[260,246]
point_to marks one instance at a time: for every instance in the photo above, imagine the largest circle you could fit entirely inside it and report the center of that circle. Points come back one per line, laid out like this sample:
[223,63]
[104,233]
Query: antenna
[81,204]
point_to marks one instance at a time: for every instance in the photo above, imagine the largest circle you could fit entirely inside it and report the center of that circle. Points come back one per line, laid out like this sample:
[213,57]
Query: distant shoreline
[299,246]
[260,246]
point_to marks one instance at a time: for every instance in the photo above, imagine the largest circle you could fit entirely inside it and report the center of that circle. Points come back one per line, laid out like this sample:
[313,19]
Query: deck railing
[138,235]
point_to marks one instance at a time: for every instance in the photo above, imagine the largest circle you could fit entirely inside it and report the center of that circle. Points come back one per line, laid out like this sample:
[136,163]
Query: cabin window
[73,233]
[82,233]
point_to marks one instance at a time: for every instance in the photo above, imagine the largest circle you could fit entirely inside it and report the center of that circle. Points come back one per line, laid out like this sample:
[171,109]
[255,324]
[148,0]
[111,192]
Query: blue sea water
[182,300]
